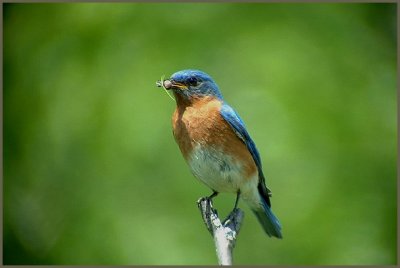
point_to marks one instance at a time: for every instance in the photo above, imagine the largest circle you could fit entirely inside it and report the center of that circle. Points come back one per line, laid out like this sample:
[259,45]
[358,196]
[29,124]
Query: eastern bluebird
[216,145]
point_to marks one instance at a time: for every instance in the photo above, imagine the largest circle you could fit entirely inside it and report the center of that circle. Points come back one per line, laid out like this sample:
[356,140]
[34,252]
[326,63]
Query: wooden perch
[224,233]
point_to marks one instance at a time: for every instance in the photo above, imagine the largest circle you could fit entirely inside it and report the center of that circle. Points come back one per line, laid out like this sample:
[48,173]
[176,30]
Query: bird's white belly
[219,171]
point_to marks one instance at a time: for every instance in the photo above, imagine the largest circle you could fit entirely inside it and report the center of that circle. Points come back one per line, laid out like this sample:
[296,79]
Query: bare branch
[224,233]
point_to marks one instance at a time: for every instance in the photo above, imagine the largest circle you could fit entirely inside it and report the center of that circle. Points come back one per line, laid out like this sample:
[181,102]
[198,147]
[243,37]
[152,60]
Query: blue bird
[216,145]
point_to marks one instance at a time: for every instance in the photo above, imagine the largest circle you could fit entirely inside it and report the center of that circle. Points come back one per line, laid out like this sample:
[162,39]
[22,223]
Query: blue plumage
[230,115]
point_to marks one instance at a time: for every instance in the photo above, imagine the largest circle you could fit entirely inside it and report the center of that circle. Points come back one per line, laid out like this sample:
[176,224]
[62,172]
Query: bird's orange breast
[199,123]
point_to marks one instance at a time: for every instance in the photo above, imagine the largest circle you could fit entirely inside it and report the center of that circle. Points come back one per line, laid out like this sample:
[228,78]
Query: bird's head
[191,84]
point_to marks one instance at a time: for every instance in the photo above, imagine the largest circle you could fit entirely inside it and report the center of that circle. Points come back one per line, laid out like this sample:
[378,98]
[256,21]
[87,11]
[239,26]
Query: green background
[92,174]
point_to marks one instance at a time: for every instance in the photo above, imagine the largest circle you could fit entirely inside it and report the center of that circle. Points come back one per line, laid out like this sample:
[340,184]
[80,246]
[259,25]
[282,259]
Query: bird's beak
[170,84]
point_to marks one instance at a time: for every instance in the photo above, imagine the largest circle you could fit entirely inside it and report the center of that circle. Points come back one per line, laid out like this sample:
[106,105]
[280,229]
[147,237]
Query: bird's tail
[262,209]
[268,220]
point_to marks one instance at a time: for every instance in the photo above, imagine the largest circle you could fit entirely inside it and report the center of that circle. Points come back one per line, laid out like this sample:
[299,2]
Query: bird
[216,145]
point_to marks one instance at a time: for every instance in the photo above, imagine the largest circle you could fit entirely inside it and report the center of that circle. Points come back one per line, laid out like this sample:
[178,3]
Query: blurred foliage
[92,174]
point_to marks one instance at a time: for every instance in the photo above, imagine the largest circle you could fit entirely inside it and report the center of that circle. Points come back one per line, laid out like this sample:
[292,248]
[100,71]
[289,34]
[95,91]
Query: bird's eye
[192,81]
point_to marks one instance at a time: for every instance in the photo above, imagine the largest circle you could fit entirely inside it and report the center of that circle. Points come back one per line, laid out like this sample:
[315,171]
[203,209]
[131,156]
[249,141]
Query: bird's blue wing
[239,128]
